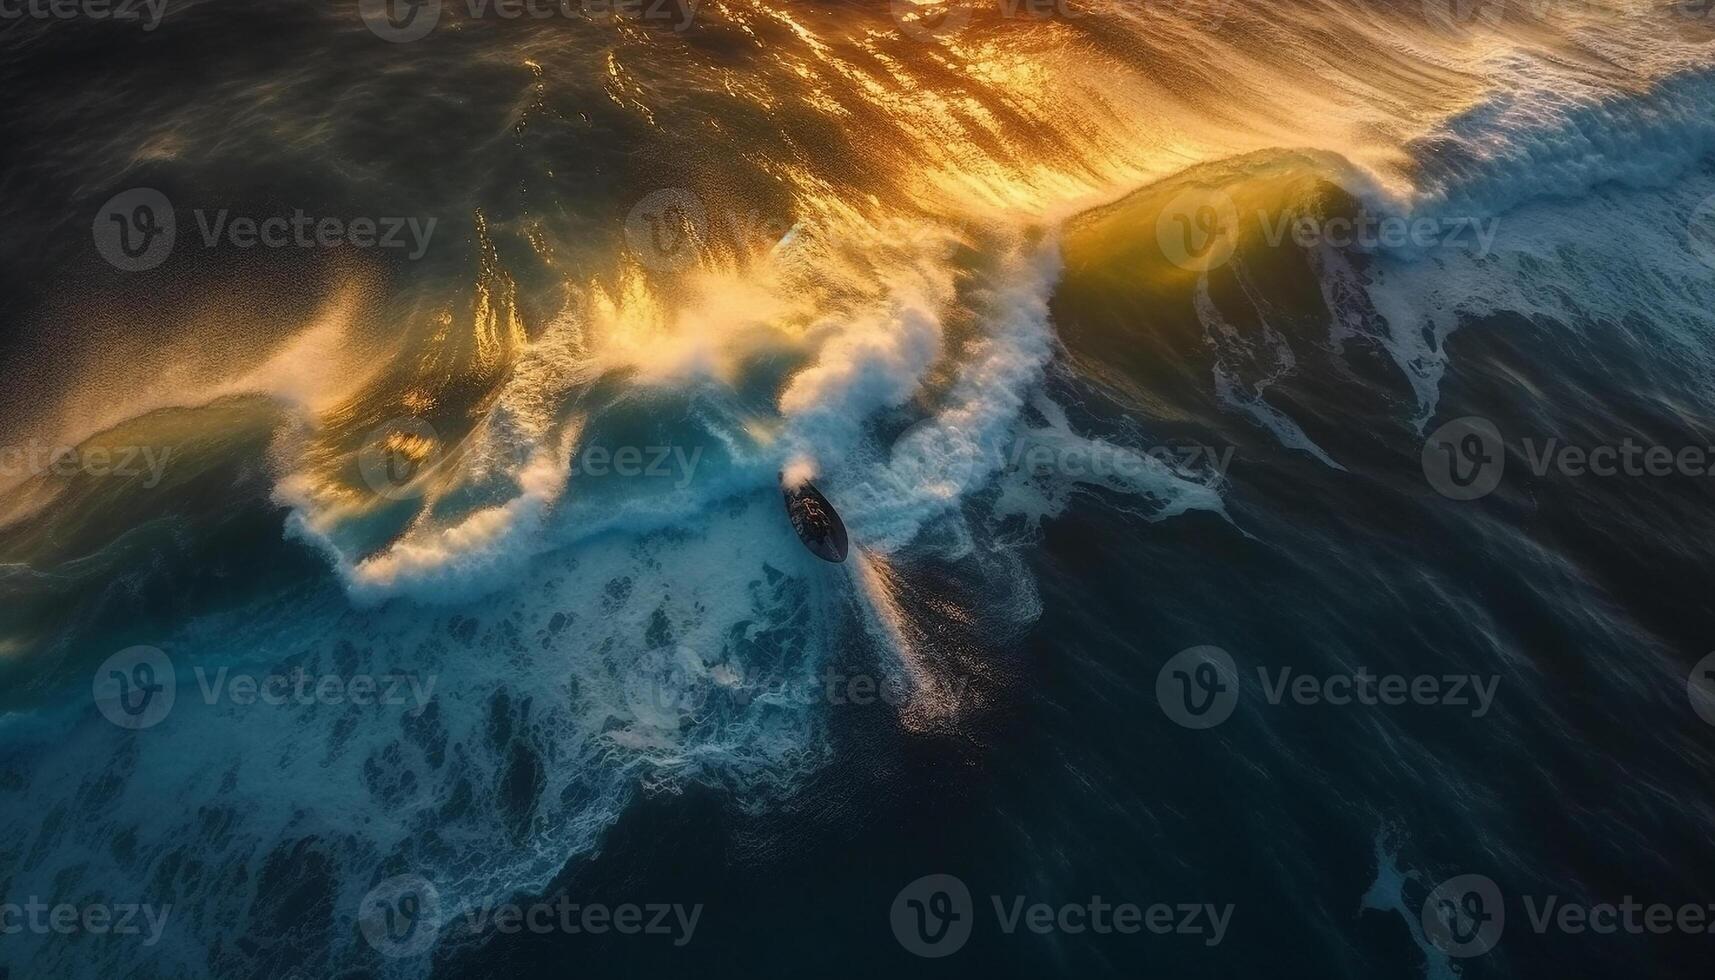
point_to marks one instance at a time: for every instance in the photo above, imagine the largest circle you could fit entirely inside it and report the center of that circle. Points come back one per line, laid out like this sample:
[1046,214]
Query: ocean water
[1114,330]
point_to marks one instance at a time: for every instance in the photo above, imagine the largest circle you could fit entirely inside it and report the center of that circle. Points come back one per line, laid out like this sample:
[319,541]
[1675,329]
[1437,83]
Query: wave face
[899,248]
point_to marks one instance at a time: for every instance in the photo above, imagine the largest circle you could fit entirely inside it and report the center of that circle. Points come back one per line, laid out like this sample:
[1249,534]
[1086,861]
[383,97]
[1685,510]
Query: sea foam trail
[546,708]
[1574,201]
[1556,137]
[1245,369]
[933,466]
[1592,199]
[607,649]
[567,678]
[1387,894]
[870,363]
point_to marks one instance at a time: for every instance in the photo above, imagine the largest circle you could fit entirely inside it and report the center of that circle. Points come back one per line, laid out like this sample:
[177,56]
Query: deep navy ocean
[1275,444]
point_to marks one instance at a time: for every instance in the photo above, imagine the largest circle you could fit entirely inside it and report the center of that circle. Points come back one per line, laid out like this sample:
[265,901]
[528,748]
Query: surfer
[816,522]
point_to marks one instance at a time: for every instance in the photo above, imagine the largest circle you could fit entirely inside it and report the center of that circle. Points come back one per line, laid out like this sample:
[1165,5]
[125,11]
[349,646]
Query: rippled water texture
[902,250]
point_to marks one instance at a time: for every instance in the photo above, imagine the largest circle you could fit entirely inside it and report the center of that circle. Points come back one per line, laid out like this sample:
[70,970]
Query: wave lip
[1561,139]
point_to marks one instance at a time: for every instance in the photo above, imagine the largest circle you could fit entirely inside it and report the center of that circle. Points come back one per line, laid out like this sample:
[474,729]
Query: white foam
[1617,255]
[930,470]
[1245,368]
[1587,191]
[624,667]
[1387,894]
[1554,136]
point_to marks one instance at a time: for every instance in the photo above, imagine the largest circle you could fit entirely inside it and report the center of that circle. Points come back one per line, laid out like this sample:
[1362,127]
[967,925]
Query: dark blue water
[1140,497]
